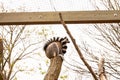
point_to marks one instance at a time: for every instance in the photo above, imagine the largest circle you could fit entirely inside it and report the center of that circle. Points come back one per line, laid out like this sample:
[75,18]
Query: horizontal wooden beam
[70,17]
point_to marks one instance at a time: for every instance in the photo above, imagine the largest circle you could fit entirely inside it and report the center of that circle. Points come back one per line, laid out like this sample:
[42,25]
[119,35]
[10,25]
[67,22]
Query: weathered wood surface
[54,68]
[70,17]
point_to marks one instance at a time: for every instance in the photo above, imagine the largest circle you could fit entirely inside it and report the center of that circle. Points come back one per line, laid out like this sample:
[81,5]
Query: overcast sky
[45,5]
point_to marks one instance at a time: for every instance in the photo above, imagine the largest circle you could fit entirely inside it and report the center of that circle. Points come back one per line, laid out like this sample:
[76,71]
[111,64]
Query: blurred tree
[108,37]
[18,44]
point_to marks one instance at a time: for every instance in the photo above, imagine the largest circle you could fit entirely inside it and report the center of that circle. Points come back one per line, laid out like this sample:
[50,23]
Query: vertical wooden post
[54,68]
[1,58]
[102,75]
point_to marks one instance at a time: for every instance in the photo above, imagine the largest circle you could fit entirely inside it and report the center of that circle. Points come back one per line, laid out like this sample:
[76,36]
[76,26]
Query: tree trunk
[54,68]
[1,58]
[101,70]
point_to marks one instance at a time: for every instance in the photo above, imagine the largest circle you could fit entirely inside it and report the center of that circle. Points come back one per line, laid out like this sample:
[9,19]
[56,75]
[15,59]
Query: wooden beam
[70,17]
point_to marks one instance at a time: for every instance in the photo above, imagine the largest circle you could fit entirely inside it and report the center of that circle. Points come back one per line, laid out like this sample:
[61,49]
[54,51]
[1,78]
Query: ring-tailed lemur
[56,47]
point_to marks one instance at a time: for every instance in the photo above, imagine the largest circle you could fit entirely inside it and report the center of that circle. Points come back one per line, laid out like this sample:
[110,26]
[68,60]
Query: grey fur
[52,48]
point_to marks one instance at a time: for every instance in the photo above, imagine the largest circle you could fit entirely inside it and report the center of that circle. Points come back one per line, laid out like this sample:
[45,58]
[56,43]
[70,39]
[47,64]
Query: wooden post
[55,49]
[70,17]
[1,58]
[54,68]
[101,70]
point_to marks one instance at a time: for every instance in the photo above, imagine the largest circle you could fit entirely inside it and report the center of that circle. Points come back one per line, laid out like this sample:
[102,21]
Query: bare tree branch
[76,47]
[101,71]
